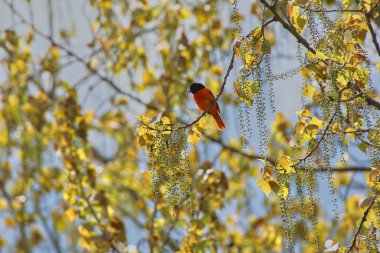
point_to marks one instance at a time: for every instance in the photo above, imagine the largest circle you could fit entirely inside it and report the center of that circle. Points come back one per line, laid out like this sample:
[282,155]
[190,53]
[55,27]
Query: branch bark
[364,218]
[288,26]
[373,34]
[273,161]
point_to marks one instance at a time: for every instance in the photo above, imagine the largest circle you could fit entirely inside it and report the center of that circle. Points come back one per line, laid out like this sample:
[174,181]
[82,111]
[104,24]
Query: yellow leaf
[13,100]
[299,22]
[308,91]
[305,73]
[105,5]
[165,120]
[256,34]
[84,232]
[71,214]
[159,223]
[347,3]
[193,139]
[321,55]
[304,113]
[84,243]
[185,13]
[284,161]
[3,203]
[237,52]
[378,66]
[2,242]
[9,222]
[264,186]
[217,70]
[202,123]
[300,126]
[336,128]
[81,154]
[54,52]
[317,122]
[310,132]
[148,76]
[350,133]
[249,60]
[213,85]
[89,116]
[292,9]
[3,136]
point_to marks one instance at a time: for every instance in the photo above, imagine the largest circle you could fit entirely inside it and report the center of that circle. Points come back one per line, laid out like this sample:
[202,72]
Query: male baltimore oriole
[203,98]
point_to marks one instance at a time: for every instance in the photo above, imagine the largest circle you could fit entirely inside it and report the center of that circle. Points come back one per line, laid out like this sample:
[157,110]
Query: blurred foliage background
[102,149]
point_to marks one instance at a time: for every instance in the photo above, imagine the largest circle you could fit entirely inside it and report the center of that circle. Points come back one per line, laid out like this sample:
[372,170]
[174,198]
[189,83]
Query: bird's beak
[187,92]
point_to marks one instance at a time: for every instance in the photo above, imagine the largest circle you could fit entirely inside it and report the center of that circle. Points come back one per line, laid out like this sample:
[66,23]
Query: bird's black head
[196,87]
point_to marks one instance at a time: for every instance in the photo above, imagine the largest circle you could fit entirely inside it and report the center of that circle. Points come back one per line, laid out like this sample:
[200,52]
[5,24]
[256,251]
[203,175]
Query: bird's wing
[217,106]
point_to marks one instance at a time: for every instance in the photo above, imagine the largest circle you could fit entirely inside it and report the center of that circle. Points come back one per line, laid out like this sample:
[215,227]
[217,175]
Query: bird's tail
[219,121]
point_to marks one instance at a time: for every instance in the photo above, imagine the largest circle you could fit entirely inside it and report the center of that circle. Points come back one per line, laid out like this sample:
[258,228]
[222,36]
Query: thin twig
[51,22]
[171,228]
[327,11]
[318,143]
[272,160]
[151,229]
[82,61]
[237,151]
[262,27]
[364,218]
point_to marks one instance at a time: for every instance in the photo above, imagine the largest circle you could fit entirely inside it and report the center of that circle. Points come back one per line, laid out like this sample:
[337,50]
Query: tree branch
[81,60]
[372,31]
[368,99]
[288,26]
[237,151]
[273,162]
[364,218]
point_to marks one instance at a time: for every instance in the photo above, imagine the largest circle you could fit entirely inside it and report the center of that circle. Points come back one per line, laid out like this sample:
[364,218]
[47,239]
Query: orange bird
[204,97]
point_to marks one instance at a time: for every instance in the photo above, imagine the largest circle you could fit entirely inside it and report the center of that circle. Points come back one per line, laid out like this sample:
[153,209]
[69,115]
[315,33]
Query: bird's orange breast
[203,98]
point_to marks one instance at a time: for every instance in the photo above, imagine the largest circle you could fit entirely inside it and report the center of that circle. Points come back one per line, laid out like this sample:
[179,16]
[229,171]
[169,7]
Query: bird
[203,97]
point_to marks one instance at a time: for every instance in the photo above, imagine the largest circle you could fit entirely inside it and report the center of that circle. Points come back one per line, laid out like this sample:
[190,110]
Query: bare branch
[83,61]
[237,151]
[273,162]
[330,11]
